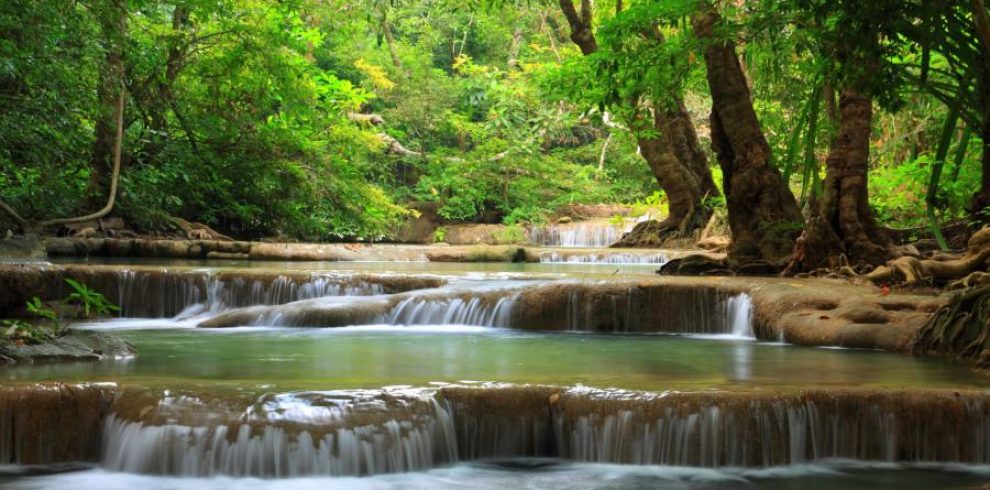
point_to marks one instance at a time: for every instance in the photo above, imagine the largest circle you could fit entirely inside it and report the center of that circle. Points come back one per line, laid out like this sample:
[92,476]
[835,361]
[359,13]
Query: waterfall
[562,305]
[592,233]
[162,294]
[602,258]
[416,436]
[475,310]
[739,313]
[760,433]
[403,429]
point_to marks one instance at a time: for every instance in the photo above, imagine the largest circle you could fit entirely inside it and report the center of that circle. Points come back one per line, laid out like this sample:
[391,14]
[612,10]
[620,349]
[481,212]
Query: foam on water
[552,474]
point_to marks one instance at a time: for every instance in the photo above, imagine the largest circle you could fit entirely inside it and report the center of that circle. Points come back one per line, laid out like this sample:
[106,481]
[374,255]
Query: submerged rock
[75,346]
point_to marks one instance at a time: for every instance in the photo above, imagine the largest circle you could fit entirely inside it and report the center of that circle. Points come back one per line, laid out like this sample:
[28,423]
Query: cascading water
[370,433]
[739,313]
[332,434]
[592,233]
[747,432]
[609,258]
[153,294]
[477,310]
[584,306]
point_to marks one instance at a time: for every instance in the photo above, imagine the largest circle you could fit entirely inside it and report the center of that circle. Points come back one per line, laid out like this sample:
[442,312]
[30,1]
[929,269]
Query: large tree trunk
[517,39]
[981,200]
[677,124]
[390,41]
[843,221]
[113,29]
[763,214]
[674,157]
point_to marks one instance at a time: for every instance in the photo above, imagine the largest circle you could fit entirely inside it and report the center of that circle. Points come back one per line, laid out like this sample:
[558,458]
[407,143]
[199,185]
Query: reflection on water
[570,269]
[374,356]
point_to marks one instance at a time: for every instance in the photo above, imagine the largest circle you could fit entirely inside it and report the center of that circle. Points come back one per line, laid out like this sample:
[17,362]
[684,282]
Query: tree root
[913,270]
[657,234]
[199,231]
[960,328]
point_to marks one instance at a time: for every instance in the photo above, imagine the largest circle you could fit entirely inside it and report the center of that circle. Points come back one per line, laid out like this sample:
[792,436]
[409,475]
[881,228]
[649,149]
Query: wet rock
[76,346]
[322,312]
[155,292]
[835,313]
[52,422]
[21,247]
[475,254]
[697,265]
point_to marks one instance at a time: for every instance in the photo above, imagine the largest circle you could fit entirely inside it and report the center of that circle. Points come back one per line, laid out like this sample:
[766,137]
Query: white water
[556,474]
[592,233]
[739,312]
[287,438]
[151,294]
[603,258]
[454,311]
[400,429]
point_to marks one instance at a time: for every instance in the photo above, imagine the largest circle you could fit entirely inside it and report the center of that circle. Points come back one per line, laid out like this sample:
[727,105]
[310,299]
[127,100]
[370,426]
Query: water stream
[479,376]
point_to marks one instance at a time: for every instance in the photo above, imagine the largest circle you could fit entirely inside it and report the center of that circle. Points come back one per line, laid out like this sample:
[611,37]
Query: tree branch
[982,24]
[580,24]
[114,178]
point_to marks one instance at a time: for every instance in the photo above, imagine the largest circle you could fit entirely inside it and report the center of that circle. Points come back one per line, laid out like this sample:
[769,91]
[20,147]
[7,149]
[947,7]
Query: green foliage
[45,312]
[439,234]
[17,331]
[84,299]
[511,234]
[89,301]
[237,110]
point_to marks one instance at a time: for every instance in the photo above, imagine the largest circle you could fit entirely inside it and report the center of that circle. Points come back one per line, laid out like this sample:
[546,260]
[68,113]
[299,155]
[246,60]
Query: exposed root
[960,328]
[973,280]
[696,265]
[199,231]
[666,233]
[913,270]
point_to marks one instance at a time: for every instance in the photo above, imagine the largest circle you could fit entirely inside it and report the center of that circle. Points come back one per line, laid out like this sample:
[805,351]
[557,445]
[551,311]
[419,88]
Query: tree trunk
[675,157]
[683,187]
[101,154]
[981,200]
[845,223]
[677,125]
[517,38]
[164,95]
[763,214]
[390,41]
[581,32]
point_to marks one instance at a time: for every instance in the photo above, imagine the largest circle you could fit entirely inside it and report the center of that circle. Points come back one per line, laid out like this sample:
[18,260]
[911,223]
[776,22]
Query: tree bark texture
[675,156]
[981,200]
[763,214]
[390,41]
[108,90]
[845,224]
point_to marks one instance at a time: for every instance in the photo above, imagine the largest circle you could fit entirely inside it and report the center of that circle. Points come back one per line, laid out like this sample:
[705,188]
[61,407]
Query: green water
[528,268]
[284,359]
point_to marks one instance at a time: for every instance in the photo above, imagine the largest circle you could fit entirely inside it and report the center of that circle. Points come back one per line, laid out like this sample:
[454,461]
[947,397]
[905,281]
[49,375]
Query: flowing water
[587,233]
[551,375]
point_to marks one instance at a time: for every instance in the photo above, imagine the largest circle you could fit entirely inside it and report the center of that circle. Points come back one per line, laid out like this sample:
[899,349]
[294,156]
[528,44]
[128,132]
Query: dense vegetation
[332,119]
